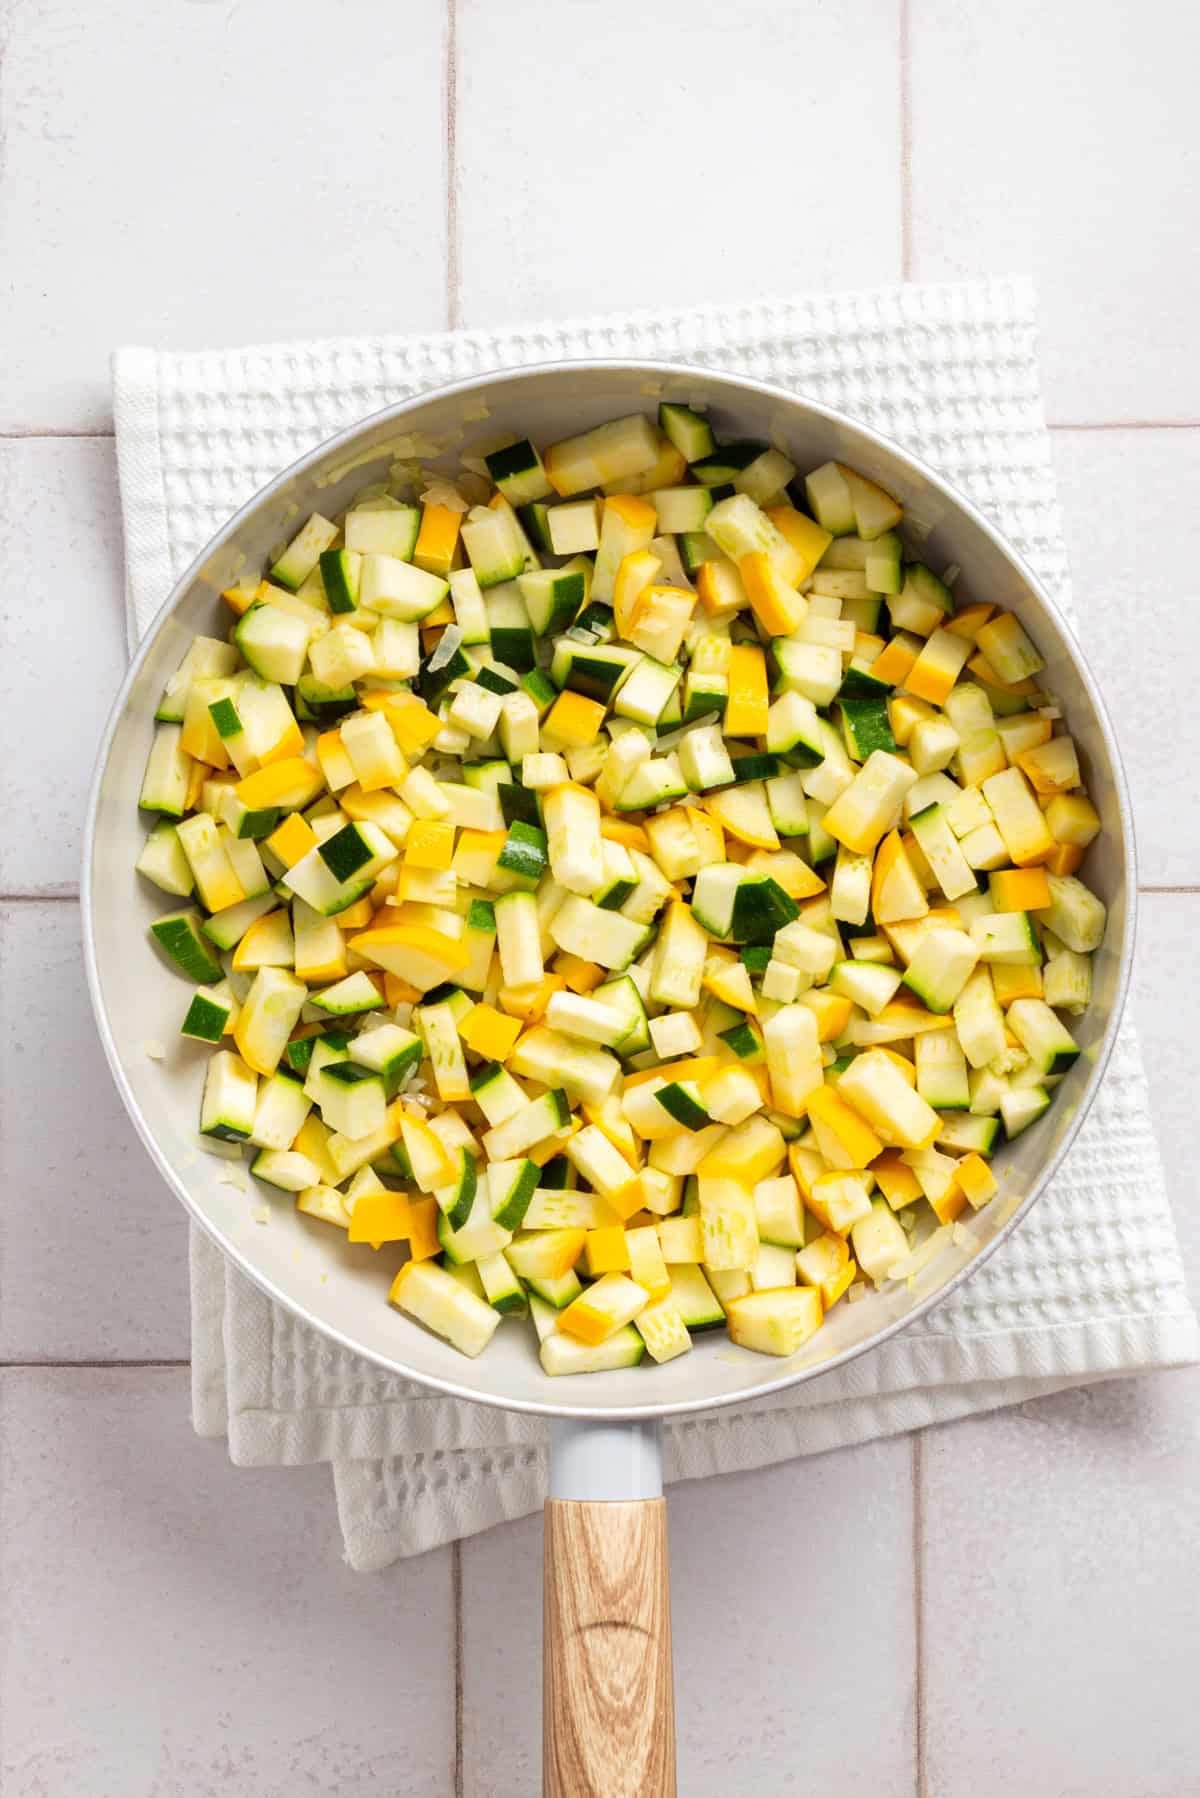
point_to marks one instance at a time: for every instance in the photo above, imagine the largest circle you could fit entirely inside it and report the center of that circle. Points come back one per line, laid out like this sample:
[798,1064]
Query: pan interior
[310,1267]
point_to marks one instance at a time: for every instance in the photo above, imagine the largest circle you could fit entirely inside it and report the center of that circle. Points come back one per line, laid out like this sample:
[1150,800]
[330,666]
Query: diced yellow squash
[852,1136]
[728,1223]
[427,1156]
[661,1327]
[312,1140]
[638,514]
[529,1002]
[630,836]
[743,812]
[605,1251]
[444,1305]
[424,1241]
[319,948]
[693,1067]
[1073,819]
[826,1263]
[967,622]
[414,726]
[896,893]
[547,1254]
[269,1014]
[879,1241]
[680,1240]
[1019,889]
[749,1153]
[429,843]
[580,976]
[879,1092]
[437,540]
[1009,650]
[870,806]
[240,598]
[788,870]
[204,845]
[647,1265]
[897,1182]
[662,622]
[394,946]
[727,978]
[325,1202]
[487,1032]
[942,659]
[476,855]
[905,712]
[984,671]
[605,1169]
[749,700]
[831,1010]
[290,785]
[607,1116]
[268,944]
[375,755]
[292,840]
[838,1197]
[1066,859]
[720,588]
[893,662]
[356,916]
[794,1060]
[380,1217]
[632,585]
[198,775]
[775,1322]
[602,1309]
[1011,981]
[336,766]
[1051,767]
[1018,817]
[806,537]
[976,1180]
[572,721]
[778,608]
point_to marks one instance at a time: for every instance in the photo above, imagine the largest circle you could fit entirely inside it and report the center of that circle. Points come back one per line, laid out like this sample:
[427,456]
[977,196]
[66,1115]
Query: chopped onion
[451,640]
[439,491]
[909,1265]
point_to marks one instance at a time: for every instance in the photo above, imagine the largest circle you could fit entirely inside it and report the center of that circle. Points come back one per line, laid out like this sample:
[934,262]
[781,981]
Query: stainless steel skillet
[607,1713]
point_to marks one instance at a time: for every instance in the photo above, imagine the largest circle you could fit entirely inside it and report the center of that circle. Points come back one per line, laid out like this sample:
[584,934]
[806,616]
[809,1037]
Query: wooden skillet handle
[608,1709]
[608,1705]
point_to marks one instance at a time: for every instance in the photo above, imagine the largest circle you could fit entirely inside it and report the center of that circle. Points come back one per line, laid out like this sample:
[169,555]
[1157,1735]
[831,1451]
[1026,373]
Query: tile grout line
[1125,424]
[27,433]
[453,269]
[51,1366]
[918,1539]
[906,179]
[456,1592]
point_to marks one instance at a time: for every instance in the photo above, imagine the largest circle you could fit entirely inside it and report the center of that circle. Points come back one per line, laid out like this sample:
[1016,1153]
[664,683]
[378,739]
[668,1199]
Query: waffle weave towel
[1089,1288]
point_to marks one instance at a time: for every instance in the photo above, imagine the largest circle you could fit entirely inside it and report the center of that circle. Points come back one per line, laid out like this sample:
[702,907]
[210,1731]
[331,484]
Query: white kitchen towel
[1090,1287]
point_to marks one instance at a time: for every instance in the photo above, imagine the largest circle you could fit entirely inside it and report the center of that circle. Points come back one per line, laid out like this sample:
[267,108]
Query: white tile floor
[1002,1604]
